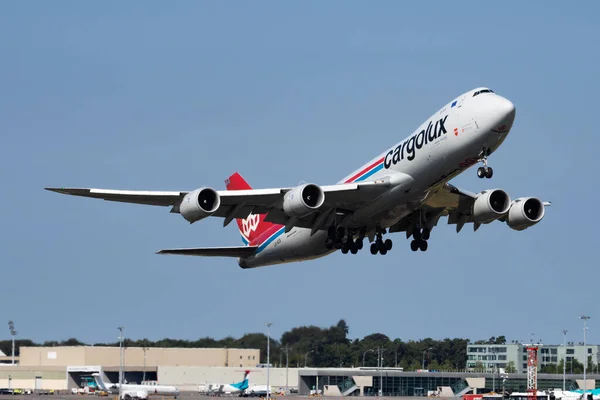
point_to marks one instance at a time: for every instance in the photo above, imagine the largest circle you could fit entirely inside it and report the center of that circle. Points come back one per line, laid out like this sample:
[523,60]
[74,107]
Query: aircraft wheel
[374,248]
[338,244]
[425,234]
[340,231]
[354,250]
[359,244]
[489,172]
[345,250]
[388,244]
[414,245]
[383,252]
[423,246]
[481,172]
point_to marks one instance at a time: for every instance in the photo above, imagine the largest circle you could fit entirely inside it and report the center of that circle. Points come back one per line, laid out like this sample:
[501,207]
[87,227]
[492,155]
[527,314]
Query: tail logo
[250,224]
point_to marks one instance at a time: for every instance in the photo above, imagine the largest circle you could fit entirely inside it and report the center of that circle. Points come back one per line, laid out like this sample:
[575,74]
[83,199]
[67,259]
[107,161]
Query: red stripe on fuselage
[265,235]
[364,171]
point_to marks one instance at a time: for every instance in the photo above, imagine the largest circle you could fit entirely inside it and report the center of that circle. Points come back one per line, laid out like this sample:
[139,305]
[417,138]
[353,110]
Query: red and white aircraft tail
[253,226]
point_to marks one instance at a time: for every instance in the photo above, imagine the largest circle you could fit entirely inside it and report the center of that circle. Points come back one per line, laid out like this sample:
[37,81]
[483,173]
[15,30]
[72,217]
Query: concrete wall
[188,378]
[134,356]
[52,356]
[24,377]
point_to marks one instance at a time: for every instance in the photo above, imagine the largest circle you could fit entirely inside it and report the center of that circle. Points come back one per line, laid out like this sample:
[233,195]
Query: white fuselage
[443,146]
[161,390]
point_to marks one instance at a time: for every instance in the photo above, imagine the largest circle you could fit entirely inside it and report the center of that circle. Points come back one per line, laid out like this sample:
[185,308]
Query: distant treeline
[318,347]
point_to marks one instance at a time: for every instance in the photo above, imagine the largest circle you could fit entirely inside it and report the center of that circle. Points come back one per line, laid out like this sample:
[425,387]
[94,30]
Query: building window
[501,357]
[554,359]
[589,351]
[569,358]
[240,365]
[570,351]
[253,357]
[553,351]
[524,366]
[524,358]
[545,351]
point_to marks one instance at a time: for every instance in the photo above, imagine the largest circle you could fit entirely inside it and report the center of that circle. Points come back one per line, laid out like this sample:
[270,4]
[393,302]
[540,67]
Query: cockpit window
[483,91]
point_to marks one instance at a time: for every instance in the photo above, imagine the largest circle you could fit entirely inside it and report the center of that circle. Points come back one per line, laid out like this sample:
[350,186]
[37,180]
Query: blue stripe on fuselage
[269,240]
[371,172]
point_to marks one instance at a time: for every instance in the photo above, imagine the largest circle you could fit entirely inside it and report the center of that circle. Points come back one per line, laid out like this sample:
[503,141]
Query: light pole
[120,328]
[306,357]
[565,360]
[144,373]
[380,365]
[425,351]
[585,361]
[268,324]
[286,367]
[365,353]
[13,333]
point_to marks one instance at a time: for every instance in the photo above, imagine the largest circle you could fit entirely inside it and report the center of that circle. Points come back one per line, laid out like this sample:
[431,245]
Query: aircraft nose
[499,114]
[506,110]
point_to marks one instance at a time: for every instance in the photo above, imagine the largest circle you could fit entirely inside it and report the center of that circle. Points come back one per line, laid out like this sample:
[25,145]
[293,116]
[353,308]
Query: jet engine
[303,200]
[490,205]
[199,204]
[525,212]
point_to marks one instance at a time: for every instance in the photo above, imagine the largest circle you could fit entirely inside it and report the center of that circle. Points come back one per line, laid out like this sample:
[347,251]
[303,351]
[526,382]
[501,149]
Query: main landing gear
[420,238]
[380,246]
[337,238]
[342,239]
[485,171]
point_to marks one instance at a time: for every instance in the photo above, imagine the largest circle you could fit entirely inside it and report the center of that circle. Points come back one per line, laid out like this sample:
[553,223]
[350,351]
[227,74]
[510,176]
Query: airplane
[231,388]
[404,189]
[131,391]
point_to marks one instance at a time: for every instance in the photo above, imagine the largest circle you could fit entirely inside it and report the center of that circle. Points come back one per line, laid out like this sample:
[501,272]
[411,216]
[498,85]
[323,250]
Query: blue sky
[177,95]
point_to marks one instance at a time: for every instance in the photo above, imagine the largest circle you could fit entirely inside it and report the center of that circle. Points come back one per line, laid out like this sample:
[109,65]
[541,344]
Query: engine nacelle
[199,204]
[525,212]
[303,200]
[490,205]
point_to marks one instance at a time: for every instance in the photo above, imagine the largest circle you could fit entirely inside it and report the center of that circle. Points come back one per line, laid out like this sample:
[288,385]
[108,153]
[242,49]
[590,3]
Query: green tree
[510,367]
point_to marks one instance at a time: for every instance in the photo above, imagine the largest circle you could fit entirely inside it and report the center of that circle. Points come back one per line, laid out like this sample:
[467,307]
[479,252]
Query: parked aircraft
[230,388]
[131,391]
[404,189]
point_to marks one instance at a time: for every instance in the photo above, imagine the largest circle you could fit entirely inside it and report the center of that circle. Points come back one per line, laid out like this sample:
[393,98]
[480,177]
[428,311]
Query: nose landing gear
[485,171]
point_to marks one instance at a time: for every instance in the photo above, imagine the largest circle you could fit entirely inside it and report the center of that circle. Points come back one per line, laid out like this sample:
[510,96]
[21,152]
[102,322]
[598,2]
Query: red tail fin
[254,225]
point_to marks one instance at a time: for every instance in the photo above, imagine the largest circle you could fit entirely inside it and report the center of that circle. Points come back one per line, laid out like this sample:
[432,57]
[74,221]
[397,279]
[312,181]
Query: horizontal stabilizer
[241,251]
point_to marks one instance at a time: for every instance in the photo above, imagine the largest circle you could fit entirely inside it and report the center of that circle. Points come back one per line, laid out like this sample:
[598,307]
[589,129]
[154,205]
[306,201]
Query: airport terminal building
[65,368]
[62,368]
[490,357]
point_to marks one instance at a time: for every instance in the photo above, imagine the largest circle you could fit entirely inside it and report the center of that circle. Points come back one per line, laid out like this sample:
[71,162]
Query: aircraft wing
[447,200]
[344,198]
[126,196]
[236,251]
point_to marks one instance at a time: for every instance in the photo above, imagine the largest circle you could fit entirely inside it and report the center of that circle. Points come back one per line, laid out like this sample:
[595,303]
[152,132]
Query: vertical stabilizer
[254,225]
